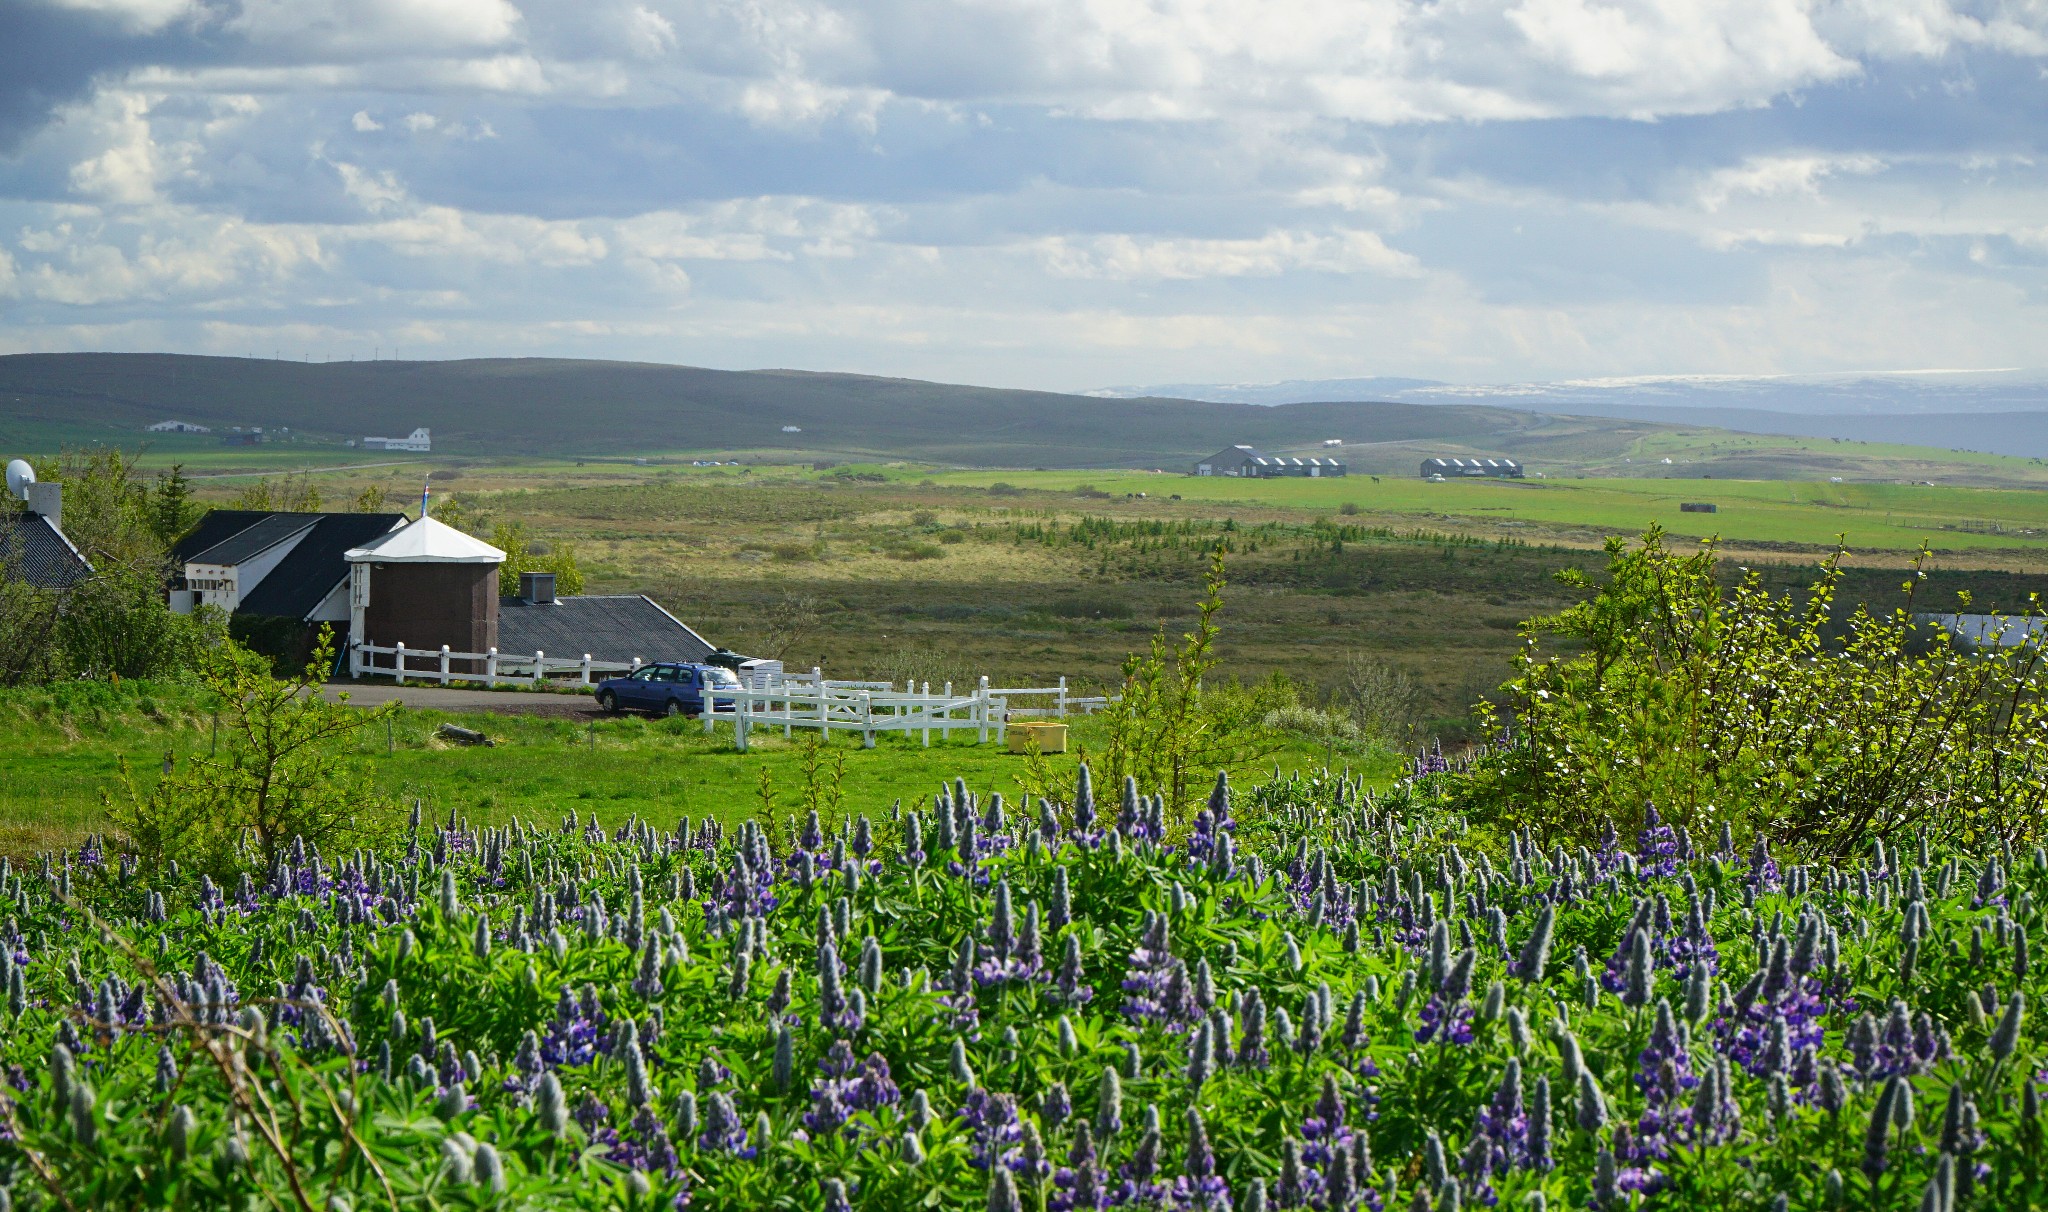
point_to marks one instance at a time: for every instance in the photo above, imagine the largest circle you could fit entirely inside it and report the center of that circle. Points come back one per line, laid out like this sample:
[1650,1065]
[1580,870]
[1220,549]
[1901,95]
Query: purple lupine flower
[991,1119]
[849,1087]
[1657,848]
[1201,1187]
[723,1132]
[1079,1184]
[1153,991]
[1500,1133]
[578,1034]
[645,1145]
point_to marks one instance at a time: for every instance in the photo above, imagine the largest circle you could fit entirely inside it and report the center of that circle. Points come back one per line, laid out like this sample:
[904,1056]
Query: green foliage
[524,554]
[111,513]
[280,773]
[1169,730]
[600,1015]
[292,493]
[116,624]
[1751,709]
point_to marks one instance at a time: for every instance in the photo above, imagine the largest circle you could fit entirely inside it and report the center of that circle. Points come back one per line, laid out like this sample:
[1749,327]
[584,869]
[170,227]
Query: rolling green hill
[541,407]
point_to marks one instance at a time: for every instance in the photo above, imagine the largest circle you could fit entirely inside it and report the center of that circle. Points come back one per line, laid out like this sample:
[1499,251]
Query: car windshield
[714,676]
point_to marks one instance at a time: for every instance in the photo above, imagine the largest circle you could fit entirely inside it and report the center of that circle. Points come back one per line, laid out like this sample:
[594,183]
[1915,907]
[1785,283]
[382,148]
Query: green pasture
[61,750]
[1872,516]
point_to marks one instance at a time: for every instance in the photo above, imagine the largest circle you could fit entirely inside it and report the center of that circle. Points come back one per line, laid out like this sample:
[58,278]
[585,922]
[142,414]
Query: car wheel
[675,707]
[607,701]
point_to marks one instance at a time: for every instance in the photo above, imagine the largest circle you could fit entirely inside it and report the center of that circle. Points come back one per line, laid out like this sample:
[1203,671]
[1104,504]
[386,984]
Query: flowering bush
[1330,1002]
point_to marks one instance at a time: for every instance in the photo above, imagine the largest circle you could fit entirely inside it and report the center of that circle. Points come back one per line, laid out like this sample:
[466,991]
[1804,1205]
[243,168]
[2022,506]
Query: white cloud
[1765,176]
[1125,258]
[126,170]
[364,122]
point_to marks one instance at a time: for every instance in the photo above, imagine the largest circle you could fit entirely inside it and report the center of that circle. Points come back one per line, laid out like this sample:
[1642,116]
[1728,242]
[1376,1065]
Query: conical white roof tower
[425,541]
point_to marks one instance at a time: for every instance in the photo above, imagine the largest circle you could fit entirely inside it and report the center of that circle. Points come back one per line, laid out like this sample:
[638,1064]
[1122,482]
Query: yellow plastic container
[1052,738]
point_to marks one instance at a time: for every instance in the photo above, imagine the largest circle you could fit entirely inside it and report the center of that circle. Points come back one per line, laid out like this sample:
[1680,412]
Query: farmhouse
[277,575]
[1463,468]
[33,546]
[419,441]
[178,427]
[427,585]
[1249,462]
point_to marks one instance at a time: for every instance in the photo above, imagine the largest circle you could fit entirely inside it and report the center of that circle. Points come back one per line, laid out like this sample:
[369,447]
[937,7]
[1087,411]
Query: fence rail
[440,665]
[870,711]
[770,698]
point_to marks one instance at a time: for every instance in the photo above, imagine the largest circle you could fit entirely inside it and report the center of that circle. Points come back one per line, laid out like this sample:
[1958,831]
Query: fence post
[739,731]
[398,661]
[981,708]
[355,658]
[539,665]
[867,709]
[1063,698]
[491,666]
[444,664]
[927,709]
[586,669]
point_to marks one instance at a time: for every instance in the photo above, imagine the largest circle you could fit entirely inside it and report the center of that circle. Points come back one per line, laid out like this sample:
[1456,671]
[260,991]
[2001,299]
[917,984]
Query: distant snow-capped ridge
[1890,392]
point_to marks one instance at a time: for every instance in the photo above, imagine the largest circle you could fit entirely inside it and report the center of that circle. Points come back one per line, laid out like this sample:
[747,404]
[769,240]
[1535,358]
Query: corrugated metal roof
[608,628]
[37,552]
[305,577]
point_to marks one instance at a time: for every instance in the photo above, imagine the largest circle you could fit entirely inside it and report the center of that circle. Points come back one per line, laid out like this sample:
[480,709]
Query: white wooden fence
[768,697]
[438,665]
[869,710]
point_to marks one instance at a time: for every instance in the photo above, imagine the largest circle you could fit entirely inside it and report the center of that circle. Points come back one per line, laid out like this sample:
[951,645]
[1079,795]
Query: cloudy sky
[1051,193]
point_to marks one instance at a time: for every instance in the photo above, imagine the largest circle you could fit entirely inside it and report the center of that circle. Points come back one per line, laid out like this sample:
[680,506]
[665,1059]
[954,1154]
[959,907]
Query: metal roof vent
[537,588]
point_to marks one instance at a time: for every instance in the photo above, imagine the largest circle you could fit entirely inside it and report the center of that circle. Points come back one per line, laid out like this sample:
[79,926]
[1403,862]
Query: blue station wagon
[664,688]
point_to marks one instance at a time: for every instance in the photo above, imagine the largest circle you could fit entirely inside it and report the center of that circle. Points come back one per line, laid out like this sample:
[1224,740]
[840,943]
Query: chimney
[48,500]
[537,588]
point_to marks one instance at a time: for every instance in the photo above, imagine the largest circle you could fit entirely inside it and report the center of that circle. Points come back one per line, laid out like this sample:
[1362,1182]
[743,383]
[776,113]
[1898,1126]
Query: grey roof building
[274,564]
[609,628]
[1252,463]
[1451,469]
[32,549]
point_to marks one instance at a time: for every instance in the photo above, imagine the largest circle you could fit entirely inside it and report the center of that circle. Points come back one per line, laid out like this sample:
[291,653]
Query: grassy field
[61,752]
[1871,516]
[909,572]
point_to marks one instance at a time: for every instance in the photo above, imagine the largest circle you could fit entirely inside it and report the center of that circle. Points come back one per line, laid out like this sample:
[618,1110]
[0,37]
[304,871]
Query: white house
[419,441]
[178,427]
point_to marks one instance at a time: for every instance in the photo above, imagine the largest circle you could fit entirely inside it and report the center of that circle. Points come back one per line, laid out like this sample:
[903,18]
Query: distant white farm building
[178,427]
[1449,469]
[419,441]
[792,429]
[1252,464]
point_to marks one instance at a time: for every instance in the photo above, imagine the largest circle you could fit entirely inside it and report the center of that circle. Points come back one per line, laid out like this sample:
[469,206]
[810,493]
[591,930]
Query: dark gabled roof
[34,551]
[608,628]
[252,541]
[303,579]
[217,527]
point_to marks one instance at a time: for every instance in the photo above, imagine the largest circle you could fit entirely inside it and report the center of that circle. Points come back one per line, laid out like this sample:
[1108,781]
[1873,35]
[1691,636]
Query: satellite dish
[19,476]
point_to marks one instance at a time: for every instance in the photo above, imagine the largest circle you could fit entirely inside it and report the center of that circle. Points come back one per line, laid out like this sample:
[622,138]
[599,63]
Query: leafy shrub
[522,554]
[1749,709]
[278,778]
